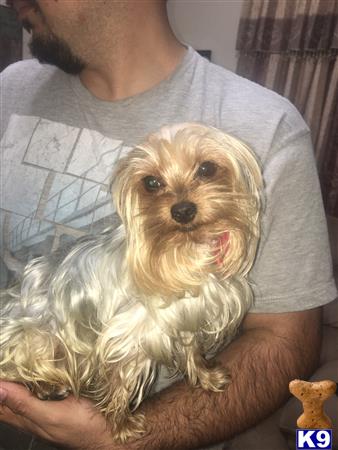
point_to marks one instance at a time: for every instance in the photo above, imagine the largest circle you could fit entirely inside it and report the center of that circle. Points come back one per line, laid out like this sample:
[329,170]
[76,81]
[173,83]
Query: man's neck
[130,69]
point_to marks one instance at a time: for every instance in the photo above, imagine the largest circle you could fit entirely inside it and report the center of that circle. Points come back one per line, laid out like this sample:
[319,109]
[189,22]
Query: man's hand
[272,350]
[72,423]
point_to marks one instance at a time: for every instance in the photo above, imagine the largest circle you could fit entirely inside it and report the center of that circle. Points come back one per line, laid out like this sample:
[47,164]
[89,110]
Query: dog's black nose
[183,212]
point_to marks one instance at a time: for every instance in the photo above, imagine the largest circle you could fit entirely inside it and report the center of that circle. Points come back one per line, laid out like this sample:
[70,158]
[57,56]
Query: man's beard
[53,50]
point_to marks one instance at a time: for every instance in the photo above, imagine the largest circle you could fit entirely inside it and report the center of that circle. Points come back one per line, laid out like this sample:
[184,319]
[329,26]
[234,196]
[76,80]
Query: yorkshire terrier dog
[167,287]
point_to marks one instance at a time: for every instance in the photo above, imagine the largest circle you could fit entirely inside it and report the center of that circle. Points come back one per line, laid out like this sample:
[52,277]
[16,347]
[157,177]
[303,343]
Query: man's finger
[22,410]
[23,403]
[7,416]
[15,397]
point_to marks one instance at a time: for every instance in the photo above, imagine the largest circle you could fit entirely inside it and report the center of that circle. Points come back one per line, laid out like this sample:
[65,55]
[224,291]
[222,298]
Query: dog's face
[179,193]
[188,189]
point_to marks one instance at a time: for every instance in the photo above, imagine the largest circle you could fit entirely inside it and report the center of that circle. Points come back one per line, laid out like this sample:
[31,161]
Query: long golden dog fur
[169,286]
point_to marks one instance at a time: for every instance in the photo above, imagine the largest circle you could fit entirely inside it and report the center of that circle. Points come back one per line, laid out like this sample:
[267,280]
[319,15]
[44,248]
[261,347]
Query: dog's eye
[206,169]
[152,183]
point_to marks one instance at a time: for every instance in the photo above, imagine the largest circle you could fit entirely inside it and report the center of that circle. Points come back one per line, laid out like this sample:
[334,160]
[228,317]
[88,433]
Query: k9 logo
[314,439]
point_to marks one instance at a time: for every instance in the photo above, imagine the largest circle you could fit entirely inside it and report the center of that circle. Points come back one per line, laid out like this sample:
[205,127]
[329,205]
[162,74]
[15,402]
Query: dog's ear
[245,167]
[117,179]
[121,181]
[236,253]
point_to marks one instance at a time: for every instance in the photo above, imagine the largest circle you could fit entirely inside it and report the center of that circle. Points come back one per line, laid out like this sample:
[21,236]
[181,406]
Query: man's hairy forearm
[261,363]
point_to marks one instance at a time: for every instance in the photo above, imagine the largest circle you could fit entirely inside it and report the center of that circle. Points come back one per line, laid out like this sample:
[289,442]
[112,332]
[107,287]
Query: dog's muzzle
[183,212]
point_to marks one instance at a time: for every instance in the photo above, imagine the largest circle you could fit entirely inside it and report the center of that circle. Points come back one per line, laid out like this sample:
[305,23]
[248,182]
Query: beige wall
[208,25]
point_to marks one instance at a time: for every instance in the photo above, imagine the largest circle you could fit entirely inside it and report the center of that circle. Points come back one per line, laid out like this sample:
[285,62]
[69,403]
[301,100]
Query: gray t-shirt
[59,143]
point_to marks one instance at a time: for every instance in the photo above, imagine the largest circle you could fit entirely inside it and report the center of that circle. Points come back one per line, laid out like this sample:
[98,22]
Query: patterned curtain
[291,46]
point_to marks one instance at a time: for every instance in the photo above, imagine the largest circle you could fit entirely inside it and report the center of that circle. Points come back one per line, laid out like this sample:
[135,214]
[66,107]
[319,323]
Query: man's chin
[50,50]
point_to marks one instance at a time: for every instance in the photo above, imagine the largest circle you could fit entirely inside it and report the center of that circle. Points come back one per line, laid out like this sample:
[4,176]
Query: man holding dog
[122,74]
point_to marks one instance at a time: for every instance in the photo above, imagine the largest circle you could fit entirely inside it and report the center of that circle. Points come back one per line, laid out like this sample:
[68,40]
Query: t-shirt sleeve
[293,269]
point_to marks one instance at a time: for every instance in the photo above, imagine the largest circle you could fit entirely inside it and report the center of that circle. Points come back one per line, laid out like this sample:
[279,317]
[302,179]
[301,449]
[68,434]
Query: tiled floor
[12,439]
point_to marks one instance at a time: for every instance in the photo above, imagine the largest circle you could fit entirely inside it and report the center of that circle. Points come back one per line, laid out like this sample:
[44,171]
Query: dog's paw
[131,427]
[45,391]
[213,379]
